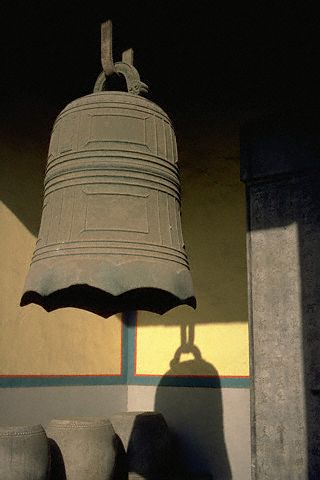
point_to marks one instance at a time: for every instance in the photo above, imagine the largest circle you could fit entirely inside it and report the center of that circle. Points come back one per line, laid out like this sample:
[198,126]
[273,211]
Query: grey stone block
[280,165]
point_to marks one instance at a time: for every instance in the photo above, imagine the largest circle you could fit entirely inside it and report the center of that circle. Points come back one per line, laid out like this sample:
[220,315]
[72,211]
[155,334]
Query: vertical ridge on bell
[110,238]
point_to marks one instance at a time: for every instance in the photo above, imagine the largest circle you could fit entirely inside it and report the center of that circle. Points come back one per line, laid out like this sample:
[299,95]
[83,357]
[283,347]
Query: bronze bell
[110,238]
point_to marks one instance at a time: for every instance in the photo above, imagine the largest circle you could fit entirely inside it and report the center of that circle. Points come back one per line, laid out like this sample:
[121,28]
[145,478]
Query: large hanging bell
[110,238]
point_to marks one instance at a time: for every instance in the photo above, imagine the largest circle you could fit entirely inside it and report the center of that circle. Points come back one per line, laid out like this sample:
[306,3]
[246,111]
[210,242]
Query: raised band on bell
[110,238]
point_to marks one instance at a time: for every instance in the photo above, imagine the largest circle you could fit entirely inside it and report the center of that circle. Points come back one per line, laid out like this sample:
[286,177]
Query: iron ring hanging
[131,75]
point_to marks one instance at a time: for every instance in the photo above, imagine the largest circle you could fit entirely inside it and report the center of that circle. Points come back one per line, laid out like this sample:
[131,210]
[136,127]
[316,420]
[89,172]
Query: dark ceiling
[198,57]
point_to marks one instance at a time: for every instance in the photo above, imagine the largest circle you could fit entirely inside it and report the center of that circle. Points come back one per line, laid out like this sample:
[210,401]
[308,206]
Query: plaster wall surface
[27,406]
[210,427]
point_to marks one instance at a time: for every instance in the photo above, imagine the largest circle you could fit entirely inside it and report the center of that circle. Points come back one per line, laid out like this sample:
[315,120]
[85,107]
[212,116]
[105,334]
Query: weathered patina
[110,238]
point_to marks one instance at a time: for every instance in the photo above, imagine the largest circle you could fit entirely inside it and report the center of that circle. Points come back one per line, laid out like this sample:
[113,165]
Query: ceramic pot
[83,448]
[24,453]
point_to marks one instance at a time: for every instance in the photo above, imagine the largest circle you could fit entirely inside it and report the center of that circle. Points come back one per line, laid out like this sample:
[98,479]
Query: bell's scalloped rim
[100,302]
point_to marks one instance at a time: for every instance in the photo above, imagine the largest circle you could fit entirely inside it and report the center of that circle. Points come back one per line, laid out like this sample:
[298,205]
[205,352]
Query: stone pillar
[280,164]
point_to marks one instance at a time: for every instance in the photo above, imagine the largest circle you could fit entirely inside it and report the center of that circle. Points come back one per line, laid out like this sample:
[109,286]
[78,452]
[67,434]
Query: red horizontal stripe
[190,376]
[59,376]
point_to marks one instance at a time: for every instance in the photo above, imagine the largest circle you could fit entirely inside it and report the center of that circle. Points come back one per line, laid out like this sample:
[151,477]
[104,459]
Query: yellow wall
[73,342]
[223,345]
[214,229]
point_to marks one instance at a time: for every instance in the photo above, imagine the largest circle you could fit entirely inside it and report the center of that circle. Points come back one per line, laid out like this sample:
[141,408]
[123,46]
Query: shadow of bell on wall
[110,238]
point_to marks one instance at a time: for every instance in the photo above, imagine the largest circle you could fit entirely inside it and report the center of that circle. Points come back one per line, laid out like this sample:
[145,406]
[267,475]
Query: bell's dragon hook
[125,67]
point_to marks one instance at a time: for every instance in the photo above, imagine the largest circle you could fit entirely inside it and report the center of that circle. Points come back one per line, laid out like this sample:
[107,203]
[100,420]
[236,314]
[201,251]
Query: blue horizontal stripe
[199,382]
[16,382]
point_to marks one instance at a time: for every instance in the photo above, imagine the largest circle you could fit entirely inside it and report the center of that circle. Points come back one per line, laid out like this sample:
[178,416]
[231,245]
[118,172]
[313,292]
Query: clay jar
[24,453]
[147,442]
[82,449]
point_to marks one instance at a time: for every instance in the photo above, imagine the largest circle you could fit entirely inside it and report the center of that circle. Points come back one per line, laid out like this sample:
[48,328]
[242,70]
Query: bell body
[110,238]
